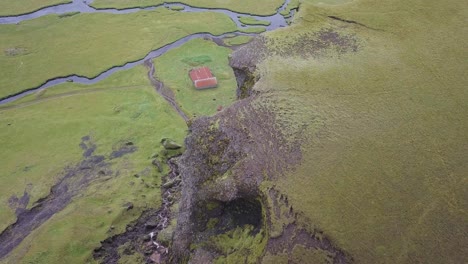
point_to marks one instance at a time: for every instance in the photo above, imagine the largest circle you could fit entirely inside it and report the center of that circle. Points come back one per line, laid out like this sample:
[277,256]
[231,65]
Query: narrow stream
[85,80]
[46,209]
[82,6]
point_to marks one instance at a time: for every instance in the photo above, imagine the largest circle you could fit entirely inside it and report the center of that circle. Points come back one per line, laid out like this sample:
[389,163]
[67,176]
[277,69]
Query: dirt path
[165,92]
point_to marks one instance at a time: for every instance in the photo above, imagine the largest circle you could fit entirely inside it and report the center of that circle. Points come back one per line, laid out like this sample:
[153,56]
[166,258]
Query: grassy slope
[10,8]
[253,21]
[68,45]
[238,40]
[45,137]
[172,68]
[261,7]
[384,169]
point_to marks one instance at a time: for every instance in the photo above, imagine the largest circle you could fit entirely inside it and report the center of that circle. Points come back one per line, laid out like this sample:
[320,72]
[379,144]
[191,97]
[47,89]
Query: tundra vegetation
[260,7]
[237,40]
[11,8]
[376,104]
[253,21]
[172,69]
[54,135]
[350,148]
[66,46]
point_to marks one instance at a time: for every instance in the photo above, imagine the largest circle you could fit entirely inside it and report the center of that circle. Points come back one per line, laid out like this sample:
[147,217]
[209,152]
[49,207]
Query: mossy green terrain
[10,8]
[173,69]
[237,40]
[239,245]
[42,141]
[260,7]
[253,30]
[65,46]
[354,144]
[384,158]
[253,21]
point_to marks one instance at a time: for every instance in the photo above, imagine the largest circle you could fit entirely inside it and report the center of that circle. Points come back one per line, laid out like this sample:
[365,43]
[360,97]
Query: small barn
[202,78]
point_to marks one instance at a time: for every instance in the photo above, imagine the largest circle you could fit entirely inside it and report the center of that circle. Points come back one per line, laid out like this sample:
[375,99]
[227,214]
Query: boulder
[170,144]
[158,165]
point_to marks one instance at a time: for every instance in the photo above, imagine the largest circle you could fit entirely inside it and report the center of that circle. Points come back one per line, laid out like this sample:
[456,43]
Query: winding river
[38,215]
[82,6]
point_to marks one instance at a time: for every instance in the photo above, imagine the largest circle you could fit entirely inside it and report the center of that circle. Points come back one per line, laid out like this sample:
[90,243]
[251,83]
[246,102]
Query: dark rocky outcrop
[228,156]
[223,164]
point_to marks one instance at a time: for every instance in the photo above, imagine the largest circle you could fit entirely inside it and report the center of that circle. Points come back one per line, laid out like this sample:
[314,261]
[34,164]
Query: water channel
[82,6]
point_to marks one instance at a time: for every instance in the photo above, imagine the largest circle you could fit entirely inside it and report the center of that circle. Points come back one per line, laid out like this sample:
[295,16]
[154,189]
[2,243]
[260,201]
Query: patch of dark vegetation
[15,51]
[87,146]
[352,22]
[198,60]
[69,14]
[123,148]
[74,180]
[245,82]
[240,212]
[217,217]
[140,236]
[317,43]
[293,235]
[281,214]
[19,204]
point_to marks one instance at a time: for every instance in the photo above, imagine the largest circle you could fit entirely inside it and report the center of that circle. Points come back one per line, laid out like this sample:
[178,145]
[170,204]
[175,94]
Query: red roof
[202,78]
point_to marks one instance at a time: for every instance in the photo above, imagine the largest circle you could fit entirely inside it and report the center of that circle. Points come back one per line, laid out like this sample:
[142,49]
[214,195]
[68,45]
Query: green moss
[253,21]
[197,60]
[301,254]
[211,205]
[237,40]
[252,30]
[281,258]
[177,8]
[165,235]
[212,223]
[239,245]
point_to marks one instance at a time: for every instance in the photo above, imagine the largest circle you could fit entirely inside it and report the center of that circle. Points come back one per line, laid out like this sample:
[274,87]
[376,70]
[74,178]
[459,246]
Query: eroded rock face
[227,158]
[250,55]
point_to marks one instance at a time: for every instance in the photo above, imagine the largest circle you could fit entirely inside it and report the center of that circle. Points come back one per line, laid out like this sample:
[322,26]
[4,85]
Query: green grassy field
[257,30]
[252,21]
[173,67]
[41,139]
[64,46]
[10,8]
[373,93]
[237,40]
[384,164]
[261,7]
